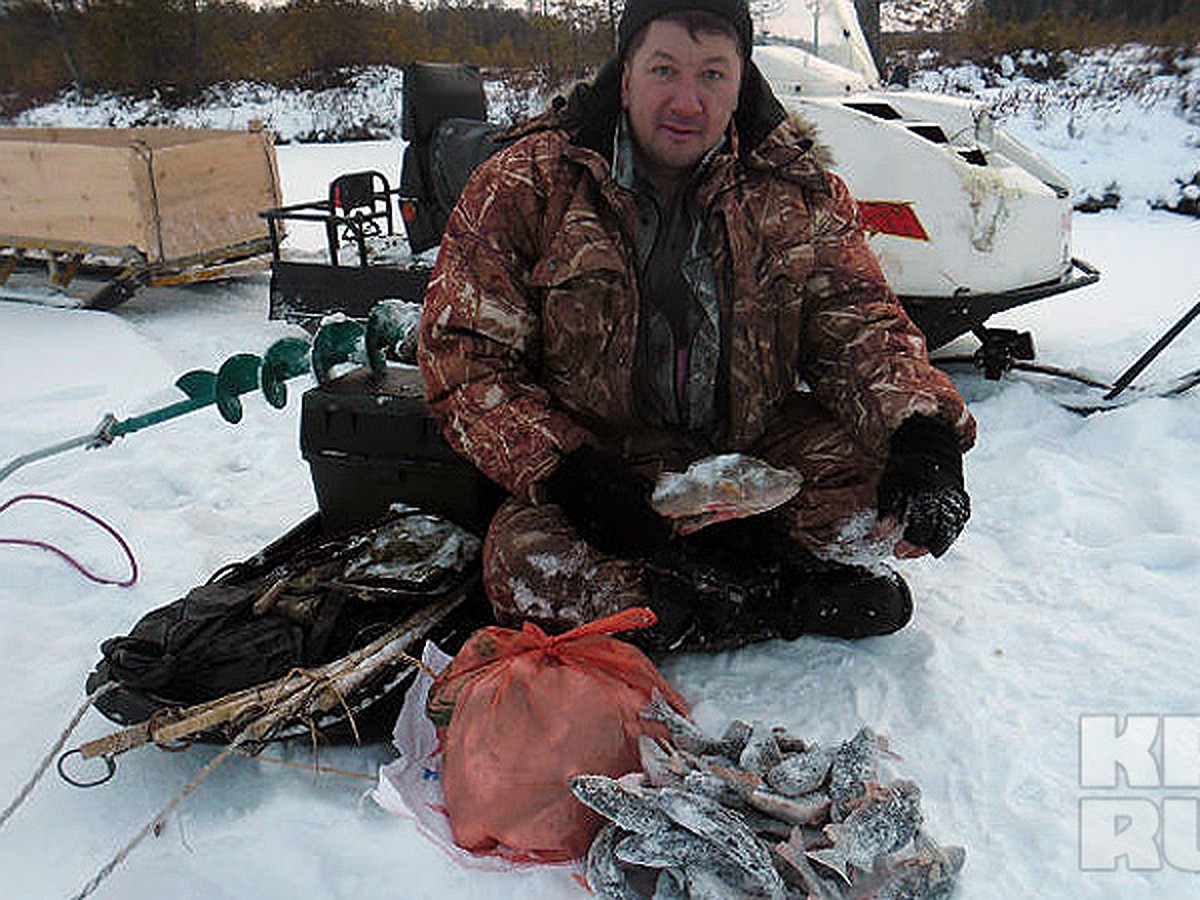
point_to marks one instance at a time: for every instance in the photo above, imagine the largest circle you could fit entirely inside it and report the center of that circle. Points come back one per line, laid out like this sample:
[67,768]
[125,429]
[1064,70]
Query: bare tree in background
[762,11]
[1105,10]
[64,42]
[868,20]
[922,15]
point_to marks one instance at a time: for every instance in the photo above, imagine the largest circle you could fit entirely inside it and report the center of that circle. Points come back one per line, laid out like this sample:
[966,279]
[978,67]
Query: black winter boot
[841,601]
[813,596]
[675,604]
[738,583]
[709,604]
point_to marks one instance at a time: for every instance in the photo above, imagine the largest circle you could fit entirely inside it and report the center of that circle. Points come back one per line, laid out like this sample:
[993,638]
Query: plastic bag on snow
[520,712]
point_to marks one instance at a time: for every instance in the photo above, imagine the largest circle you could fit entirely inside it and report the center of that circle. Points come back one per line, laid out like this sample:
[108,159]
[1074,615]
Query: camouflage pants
[536,567]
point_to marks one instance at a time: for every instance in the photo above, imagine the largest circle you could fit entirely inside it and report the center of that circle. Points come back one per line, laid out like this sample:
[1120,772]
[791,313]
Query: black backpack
[305,600]
[445,123]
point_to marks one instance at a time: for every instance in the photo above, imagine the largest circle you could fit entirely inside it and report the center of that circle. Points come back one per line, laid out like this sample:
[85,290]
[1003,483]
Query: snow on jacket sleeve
[480,329]
[864,358]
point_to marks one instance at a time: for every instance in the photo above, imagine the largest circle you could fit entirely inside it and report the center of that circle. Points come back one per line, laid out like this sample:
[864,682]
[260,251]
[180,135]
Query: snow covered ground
[1071,593]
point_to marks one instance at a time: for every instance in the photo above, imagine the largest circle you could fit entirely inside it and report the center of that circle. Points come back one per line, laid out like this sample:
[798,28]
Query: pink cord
[99,579]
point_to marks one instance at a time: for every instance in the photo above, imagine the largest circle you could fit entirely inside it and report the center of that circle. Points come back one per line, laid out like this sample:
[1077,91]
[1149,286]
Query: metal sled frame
[90,276]
[306,291]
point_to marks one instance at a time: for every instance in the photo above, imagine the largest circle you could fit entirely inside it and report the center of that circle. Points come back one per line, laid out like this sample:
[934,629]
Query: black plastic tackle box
[370,442]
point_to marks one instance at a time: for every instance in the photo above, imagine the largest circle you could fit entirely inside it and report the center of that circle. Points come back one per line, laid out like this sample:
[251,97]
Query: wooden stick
[258,711]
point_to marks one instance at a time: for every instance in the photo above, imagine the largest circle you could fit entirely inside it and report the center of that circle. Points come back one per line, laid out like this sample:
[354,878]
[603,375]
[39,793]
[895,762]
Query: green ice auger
[337,341]
[390,324]
[240,374]
[284,359]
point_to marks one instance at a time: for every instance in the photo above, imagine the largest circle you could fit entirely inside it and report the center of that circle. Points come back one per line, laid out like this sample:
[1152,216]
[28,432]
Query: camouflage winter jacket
[530,321]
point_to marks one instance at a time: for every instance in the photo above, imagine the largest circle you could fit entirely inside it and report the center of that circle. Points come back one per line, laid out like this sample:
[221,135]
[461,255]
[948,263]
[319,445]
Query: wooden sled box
[156,205]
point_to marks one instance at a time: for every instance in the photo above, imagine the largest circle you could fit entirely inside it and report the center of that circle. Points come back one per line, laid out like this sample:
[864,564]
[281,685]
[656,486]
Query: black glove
[608,503]
[922,484]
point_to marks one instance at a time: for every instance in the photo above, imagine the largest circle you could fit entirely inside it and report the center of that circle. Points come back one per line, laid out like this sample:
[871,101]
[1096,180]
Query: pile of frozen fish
[760,813]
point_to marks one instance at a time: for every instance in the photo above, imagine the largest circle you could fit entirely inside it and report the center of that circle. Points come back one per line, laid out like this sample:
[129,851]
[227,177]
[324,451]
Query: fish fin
[745,783]
[882,748]
[873,792]
[832,858]
[654,710]
[656,762]
[955,856]
[795,841]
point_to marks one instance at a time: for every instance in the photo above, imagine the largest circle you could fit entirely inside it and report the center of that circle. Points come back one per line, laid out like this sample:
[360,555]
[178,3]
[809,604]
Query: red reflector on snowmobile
[408,211]
[891,217]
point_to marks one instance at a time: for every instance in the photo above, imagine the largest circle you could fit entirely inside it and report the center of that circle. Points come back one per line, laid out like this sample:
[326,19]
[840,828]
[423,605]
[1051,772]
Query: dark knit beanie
[639,13]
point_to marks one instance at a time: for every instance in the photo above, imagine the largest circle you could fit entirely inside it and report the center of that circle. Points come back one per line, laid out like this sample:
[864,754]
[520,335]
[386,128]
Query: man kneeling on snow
[658,270]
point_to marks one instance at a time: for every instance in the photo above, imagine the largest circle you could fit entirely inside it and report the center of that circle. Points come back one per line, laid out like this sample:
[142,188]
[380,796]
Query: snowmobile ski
[1003,350]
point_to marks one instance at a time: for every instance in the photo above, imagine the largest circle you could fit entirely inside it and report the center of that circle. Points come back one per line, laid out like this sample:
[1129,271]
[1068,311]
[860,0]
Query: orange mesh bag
[519,713]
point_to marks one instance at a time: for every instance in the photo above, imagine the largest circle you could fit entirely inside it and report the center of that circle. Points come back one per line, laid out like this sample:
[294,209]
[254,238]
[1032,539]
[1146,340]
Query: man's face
[680,92]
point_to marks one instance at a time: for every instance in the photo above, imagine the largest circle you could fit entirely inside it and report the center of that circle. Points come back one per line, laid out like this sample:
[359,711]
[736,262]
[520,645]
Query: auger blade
[284,359]
[237,375]
[198,384]
[389,323]
[336,342]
